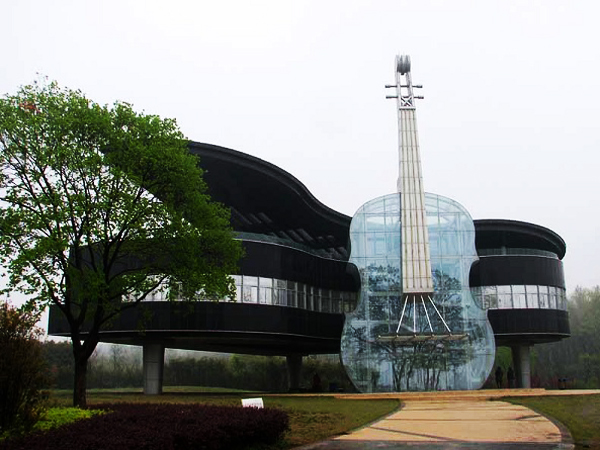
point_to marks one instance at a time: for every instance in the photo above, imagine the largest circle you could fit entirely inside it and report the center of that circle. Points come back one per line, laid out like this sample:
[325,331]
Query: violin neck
[416,260]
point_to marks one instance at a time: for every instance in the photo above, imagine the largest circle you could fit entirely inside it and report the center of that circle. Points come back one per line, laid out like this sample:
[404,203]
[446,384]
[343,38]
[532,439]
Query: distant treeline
[120,367]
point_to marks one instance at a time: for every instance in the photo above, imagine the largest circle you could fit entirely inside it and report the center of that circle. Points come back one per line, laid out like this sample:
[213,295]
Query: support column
[294,366]
[154,362]
[522,364]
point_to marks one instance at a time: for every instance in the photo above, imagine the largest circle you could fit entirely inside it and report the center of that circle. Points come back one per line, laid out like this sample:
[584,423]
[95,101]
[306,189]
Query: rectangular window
[450,243]
[376,243]
[553,298]
[532,296]
[543,290]
[282,297]
[316,299]
[519,301]
[302,300]
[518,289]
[309,298]
[434,244]
[250,294]
[275,296]
[266,296]
[291,298]
[375,223]
[505,300]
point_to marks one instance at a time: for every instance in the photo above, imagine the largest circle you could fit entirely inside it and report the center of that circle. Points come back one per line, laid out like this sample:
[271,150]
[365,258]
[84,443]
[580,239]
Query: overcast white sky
[509,124]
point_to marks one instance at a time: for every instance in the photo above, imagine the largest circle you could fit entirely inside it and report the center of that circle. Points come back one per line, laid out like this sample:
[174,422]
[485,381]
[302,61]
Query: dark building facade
[295,284]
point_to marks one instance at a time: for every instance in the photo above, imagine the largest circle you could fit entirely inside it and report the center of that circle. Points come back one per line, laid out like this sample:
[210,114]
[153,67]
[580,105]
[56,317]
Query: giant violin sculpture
[416,325]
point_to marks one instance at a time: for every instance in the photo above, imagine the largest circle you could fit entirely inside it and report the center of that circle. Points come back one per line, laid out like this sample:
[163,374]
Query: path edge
[565,435]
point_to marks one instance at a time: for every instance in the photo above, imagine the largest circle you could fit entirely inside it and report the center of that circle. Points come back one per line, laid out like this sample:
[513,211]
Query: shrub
[163,426]
[22,371]
[57,417]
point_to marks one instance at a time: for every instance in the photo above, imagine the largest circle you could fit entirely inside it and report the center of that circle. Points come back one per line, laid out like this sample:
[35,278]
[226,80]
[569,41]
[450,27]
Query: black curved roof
[497,233]
[267,200]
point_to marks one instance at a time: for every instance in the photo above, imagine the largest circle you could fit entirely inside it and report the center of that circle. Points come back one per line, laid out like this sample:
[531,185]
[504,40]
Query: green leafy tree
[99,207]
[22,371]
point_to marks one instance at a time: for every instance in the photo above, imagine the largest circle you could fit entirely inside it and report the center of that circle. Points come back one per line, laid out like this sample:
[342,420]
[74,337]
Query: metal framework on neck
[417,282]
[404,92]
[416,261]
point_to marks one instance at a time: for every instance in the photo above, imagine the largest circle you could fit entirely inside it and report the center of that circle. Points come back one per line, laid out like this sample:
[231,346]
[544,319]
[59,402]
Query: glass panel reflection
[271,291]
[520,296]
[387,342]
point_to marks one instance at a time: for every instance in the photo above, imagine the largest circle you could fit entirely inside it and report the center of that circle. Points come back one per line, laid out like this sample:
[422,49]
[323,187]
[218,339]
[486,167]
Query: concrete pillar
[294,366]
[154,362]
[522,364]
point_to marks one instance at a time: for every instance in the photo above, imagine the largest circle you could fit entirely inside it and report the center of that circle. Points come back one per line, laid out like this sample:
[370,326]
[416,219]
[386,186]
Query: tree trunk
[79,387]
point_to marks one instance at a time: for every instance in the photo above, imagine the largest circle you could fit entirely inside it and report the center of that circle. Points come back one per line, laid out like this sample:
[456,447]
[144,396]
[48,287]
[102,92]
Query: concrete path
[467,420]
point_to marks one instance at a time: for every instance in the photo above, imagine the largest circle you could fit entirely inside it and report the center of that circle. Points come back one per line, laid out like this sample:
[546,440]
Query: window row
[272,291]
[515,297]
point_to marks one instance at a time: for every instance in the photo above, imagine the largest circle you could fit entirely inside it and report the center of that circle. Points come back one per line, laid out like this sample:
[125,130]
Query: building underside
[295,283]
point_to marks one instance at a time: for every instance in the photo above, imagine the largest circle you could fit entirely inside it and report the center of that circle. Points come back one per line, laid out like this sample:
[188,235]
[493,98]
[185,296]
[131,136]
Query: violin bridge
[407,340]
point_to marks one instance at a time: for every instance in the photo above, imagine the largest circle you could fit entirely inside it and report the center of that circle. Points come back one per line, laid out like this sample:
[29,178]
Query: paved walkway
[457,420]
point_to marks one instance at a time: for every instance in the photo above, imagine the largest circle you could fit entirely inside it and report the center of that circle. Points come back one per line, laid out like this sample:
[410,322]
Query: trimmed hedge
[162,427]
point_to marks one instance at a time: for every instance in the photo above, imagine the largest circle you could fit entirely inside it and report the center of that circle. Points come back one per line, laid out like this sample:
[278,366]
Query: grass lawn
[316,418]
[311,418]
[579,413]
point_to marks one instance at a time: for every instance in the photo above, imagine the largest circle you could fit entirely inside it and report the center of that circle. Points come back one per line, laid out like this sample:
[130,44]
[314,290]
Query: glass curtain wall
[389,344]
